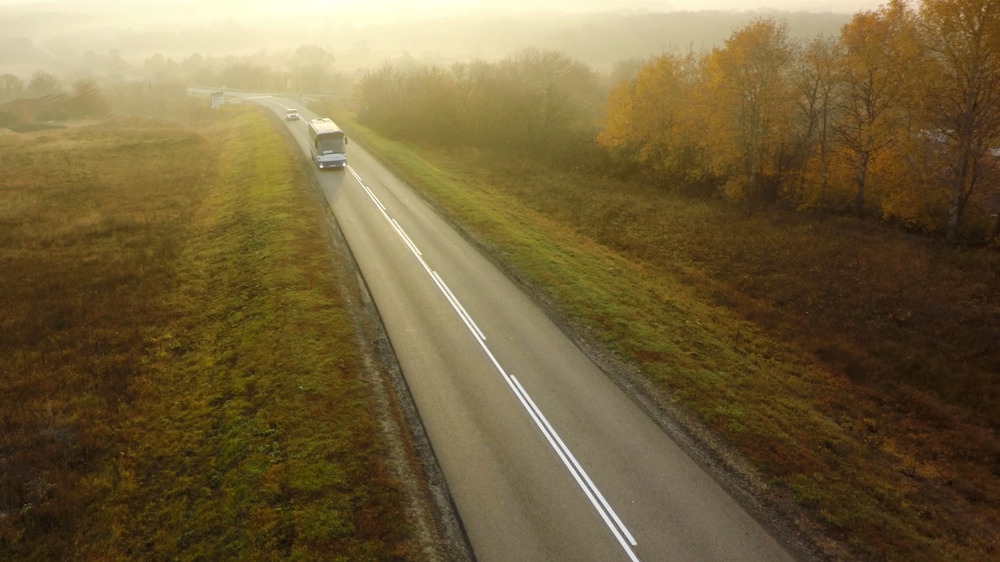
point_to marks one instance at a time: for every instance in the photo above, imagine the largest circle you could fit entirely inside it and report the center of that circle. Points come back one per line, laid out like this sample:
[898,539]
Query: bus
[328,143]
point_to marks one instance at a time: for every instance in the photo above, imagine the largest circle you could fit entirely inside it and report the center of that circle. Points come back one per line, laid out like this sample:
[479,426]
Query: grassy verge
[180,378]
[821,351]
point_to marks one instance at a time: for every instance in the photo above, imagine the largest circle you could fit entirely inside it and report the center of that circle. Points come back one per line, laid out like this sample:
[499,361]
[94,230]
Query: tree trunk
[859,200]
[995,230]
[824,174]
[952,235]
[959,195]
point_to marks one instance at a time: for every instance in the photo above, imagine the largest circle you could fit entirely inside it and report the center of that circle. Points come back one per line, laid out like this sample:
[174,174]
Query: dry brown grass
[92,223]
[180,378]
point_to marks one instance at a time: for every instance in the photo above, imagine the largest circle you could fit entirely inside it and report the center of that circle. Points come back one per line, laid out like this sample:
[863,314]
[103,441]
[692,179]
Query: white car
[291,115]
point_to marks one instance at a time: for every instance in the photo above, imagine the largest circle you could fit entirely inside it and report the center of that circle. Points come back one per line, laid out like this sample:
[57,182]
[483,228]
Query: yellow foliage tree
[816,89]
[963,39]
[748,107]
[880,52]
[652,117]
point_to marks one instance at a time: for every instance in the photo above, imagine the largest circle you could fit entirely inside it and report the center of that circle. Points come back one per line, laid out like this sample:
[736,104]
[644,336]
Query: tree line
[898,117]
[49,99]
[534,99]
[309,69]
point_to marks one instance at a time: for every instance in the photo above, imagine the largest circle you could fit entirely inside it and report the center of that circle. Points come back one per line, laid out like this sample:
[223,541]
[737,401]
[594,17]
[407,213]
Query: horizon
[52,34]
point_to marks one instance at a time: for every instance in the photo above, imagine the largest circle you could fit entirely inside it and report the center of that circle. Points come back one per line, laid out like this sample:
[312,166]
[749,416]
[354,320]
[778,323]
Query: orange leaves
[963,42]
[655,116]
[897,117]
[618,116]
[748,87]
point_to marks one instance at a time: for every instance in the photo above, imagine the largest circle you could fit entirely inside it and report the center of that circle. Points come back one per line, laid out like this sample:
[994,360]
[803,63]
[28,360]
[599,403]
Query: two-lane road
[545,457]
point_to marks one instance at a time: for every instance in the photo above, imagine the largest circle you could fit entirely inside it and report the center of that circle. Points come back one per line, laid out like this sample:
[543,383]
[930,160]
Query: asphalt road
[545,457]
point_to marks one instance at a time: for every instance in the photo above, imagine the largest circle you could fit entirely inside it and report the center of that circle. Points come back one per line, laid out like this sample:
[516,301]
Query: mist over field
[785,221]
[76,38]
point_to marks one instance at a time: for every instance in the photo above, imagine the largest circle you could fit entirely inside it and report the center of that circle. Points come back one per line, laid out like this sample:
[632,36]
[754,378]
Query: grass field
[180,377]
[853,367]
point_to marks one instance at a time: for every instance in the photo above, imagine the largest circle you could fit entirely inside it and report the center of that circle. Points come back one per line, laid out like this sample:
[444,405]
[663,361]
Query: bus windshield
[330,144]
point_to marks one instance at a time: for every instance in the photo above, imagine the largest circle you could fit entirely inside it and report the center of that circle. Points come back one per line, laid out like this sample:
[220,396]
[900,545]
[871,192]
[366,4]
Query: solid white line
[458,306]
[406,238]
[578,473]
[374,197]
[355,174]
[576,464]
[552,438]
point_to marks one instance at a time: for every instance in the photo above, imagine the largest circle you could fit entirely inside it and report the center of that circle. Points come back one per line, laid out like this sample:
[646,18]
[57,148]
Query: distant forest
[892,113]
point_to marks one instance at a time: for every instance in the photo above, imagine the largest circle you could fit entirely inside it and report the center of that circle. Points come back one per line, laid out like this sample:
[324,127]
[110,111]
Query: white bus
[328,143]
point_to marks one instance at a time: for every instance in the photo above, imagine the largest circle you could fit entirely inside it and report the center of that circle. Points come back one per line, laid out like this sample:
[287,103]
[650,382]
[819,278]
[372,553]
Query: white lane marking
[569,460]
[374,198]
[576,464]
[355,174]
[406,239]
[458,306]
[604,509]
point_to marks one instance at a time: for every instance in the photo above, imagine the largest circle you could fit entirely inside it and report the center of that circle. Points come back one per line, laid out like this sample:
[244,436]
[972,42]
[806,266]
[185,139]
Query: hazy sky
[592,5]
[521,5]
[177,28]
[370,11]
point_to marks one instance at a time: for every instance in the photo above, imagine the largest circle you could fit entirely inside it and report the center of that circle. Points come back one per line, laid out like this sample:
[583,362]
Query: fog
[75,37]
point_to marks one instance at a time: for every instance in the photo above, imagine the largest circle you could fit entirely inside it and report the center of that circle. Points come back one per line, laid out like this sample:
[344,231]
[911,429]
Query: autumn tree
[538,99]
[482,103]
[430,96]
[553,93]
[963,40]
[880,51]
[816,90]
[653,119]
[380,91]
[748,87]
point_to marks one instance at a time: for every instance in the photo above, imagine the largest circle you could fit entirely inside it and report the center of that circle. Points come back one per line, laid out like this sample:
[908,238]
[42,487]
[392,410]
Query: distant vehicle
[291,115]
[328,144]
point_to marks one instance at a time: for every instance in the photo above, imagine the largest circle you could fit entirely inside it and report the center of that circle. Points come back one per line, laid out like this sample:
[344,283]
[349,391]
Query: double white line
[604,509]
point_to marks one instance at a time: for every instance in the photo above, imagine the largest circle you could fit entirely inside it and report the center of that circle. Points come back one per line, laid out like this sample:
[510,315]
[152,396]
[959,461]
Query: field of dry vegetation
[853,366]
[181,379]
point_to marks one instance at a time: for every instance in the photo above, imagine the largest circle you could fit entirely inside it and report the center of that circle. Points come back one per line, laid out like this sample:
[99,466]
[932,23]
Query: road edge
[429,506]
